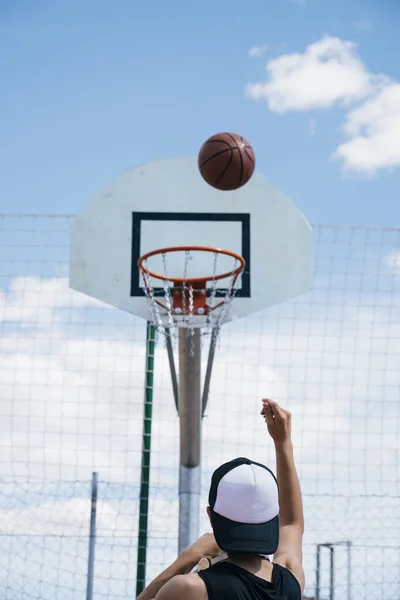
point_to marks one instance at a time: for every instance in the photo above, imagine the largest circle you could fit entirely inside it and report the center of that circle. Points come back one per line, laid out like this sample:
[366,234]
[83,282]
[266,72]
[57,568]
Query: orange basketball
[226,161]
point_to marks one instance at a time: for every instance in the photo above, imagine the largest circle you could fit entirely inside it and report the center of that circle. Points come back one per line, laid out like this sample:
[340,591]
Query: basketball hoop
[190,301]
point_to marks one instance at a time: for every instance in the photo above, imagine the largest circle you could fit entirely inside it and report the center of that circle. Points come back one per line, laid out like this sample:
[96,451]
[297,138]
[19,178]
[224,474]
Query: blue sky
[91,89]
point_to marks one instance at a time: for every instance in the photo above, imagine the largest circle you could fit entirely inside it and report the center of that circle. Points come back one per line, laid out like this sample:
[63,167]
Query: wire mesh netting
[71,402]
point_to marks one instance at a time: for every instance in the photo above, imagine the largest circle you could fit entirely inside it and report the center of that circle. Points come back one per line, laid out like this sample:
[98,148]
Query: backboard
[167,203]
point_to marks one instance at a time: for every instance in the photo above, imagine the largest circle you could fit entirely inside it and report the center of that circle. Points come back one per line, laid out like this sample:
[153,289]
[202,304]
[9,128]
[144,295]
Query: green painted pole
[146,455]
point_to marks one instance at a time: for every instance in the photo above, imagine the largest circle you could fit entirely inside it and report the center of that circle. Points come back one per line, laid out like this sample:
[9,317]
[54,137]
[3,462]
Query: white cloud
[34,300]
[373,131]
[326,73]
[393,261]
[257,51]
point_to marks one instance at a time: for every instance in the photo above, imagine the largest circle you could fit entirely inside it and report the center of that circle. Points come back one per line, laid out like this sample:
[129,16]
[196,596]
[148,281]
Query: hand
[278,420]
[205,546]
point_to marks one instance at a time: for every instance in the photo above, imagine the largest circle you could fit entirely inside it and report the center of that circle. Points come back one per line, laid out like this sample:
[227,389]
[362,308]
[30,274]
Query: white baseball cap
[244,503]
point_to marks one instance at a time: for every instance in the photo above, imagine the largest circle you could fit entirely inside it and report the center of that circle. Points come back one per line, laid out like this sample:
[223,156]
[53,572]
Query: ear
[209,513]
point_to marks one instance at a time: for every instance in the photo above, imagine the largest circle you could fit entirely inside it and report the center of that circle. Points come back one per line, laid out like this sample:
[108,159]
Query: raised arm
[291,517]
[175,583]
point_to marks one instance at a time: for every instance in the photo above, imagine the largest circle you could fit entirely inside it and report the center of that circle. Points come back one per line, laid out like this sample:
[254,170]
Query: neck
[245,559]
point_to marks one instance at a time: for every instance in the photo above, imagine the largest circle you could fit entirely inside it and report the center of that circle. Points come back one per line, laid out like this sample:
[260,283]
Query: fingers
[278,420]
[272,409]
[277,411]
[266,405]
[268,413]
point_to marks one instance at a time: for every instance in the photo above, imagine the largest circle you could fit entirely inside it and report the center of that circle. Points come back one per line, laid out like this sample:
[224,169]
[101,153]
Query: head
[244,508]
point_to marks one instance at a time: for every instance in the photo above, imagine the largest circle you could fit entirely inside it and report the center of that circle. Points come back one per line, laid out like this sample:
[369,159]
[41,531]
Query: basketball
[226,161]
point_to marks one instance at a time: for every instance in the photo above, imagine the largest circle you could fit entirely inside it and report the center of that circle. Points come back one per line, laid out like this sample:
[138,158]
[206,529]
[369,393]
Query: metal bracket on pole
[174,379]
[210,362]
[207,380]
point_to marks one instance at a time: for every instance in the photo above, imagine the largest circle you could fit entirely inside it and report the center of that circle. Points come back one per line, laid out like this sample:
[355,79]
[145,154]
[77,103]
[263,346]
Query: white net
[187,303]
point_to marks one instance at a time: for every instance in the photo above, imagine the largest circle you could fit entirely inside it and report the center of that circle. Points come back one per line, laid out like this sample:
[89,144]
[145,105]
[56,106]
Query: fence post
[92,539]
[146,449]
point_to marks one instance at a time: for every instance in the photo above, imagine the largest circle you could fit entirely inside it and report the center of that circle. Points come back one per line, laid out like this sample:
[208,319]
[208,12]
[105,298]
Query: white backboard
[167,203]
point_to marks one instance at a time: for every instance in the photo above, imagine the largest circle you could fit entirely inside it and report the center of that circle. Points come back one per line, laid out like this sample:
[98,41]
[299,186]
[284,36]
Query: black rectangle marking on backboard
[242,218]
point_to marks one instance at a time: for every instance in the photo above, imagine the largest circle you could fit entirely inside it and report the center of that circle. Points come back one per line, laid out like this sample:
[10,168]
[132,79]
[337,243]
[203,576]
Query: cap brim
[243,538]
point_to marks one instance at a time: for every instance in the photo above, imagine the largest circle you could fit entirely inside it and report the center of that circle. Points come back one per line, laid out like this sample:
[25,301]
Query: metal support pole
[190,436]
[332,572]
[92,539]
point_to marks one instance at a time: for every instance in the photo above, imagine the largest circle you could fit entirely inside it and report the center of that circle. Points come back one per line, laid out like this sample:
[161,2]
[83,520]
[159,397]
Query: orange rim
[193,280]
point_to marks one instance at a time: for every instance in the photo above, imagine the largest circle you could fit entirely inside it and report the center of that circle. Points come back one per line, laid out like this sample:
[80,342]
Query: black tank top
[226,581]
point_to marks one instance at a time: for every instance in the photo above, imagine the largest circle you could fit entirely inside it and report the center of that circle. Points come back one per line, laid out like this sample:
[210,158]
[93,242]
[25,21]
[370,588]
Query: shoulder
[294,565]
[182,587]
